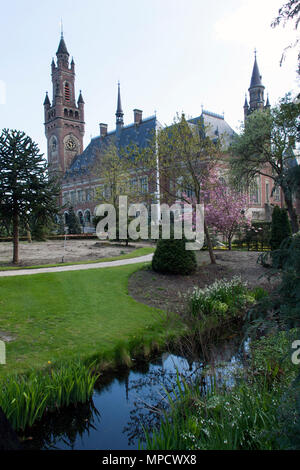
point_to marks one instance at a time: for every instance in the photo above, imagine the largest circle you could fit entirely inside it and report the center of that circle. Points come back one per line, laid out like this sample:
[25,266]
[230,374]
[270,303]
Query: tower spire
[119,112]
[256,89]
[256,92]
[256,77]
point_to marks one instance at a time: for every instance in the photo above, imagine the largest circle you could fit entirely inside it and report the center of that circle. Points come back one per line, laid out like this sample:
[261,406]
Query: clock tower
[64,117]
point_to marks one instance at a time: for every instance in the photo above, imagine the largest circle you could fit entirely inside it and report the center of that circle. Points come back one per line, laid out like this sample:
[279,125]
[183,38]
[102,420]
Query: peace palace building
[65,127]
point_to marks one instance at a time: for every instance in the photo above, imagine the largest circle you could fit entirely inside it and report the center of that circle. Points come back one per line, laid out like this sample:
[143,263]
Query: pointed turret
[119,112]
[246,107]
[80,99]
[47,101]
[62,48]
[62,53]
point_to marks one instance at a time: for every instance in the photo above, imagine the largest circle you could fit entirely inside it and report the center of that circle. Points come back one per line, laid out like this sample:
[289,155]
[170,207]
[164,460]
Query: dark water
[122,404]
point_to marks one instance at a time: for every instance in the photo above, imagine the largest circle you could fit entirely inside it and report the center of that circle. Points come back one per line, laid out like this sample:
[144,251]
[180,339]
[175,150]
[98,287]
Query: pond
[124,402]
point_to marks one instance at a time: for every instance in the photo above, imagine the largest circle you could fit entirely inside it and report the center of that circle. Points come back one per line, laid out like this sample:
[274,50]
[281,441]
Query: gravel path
[77,267]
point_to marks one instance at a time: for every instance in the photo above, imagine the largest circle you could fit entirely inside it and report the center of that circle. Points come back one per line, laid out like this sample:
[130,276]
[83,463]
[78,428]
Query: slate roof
[139,134]
[256,77]
[215,125]
[62,48]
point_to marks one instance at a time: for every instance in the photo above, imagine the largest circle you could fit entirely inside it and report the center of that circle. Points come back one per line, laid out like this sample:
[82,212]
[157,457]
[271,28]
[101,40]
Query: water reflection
[122,405]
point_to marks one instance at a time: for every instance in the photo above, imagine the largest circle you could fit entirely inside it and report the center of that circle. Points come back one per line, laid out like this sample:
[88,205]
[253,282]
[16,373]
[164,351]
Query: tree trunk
[28,233]
[210,247]
[229,243]
[291,212]
[16,238]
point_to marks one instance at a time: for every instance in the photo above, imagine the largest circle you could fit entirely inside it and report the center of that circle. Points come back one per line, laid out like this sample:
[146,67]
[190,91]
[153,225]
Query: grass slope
[59,316]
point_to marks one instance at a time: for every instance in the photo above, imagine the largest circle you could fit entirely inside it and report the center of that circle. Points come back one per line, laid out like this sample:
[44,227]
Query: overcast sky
[169,55]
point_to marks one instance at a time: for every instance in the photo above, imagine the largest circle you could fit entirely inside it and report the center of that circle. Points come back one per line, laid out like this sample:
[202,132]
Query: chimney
[138,115]
[103,129]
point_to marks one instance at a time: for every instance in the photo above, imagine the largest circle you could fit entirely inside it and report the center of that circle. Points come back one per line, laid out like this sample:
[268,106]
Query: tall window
[87,216]
[267,193]
[255,192]
[144,184]
[80,216]
[276,194]
[73,197]
[67,92]
[80,195]
[88,194]
[65,198]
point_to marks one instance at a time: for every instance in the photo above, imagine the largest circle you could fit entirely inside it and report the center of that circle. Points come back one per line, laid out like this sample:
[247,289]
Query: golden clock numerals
[70,145]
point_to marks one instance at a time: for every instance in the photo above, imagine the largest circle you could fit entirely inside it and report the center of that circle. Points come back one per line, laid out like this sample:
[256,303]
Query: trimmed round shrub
[171,257]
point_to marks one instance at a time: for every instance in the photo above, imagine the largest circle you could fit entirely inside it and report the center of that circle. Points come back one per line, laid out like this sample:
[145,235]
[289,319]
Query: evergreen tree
[61,225]
[280,227]
[73,222]
[25,186]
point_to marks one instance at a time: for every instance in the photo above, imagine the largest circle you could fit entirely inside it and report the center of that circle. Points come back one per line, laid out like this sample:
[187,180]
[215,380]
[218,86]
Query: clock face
[71,144]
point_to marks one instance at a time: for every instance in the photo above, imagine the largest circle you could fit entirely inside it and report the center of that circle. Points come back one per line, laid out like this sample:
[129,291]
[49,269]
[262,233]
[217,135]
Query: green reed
[25,398]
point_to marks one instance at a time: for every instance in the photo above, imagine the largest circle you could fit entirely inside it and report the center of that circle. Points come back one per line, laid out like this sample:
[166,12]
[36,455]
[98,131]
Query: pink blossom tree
[224,207]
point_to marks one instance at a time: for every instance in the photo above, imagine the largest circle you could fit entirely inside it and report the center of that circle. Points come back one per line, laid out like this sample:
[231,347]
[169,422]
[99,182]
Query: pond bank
[123,402]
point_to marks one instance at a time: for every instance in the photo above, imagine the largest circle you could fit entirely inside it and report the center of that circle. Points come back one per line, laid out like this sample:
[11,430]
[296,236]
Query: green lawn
[57,316]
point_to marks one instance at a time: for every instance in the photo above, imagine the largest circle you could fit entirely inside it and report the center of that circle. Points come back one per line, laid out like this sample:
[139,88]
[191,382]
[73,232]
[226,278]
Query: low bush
[171,257]
[219,298]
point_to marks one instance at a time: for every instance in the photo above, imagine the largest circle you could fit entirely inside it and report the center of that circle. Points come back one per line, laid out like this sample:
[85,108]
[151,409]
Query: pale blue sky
[169,55]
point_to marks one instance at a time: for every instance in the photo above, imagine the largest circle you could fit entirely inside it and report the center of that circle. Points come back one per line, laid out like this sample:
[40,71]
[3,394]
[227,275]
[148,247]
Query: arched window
[76,115]
[67,92]
[87,216]
[71,113]
[53,144]
[66,217]
[80,217]
[65,112]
